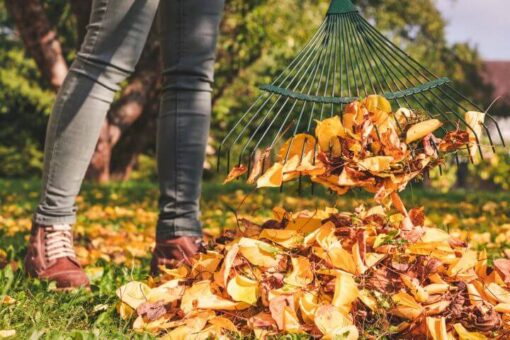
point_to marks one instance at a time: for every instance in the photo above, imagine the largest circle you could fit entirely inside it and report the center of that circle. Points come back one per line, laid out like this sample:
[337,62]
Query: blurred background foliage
[258,39]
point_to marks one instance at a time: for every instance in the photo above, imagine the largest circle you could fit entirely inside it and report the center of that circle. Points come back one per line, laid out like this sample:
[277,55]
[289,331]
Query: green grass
[41,312]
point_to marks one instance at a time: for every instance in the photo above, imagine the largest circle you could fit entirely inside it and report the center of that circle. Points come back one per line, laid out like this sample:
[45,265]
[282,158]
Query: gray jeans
[115,38]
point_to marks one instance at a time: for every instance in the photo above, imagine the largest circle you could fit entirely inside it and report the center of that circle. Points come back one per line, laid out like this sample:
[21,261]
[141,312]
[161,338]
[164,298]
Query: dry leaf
[243,289]
[133,293]
[201,296]
[333,324]
[236,172]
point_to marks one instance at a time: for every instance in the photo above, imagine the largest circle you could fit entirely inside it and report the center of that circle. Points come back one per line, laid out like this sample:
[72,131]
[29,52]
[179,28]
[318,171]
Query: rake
[347,58]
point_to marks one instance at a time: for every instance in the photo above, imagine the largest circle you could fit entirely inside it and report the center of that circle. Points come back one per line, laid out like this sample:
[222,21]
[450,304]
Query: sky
[483,23]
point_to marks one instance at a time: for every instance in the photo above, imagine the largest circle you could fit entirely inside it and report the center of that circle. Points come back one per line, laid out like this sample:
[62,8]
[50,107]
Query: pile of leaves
[373,272]
[330,274]
[368,147]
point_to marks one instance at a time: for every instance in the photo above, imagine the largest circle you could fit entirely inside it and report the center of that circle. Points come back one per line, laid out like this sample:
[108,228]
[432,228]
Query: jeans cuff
[53,220]
[178,227]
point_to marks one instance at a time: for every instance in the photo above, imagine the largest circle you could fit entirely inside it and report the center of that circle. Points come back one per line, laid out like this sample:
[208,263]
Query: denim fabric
[113,44]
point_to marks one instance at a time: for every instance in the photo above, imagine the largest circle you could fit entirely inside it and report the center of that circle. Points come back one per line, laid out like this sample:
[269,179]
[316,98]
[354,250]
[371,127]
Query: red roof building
[497,73]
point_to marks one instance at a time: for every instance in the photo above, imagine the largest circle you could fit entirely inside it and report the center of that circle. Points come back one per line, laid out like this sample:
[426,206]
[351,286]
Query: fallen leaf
[133,293]
[201,296]
[243,289]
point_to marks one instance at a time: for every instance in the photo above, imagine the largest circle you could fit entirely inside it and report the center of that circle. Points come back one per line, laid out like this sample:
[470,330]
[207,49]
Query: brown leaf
[503,268]
[262,320]
[151,310]
[236,172]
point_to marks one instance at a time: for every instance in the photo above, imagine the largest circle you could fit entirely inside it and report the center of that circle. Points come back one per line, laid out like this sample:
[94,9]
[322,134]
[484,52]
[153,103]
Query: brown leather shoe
[51,257]
[173,252]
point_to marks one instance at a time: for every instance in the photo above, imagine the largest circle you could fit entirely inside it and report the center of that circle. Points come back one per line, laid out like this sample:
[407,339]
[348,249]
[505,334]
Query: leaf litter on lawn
[372,272]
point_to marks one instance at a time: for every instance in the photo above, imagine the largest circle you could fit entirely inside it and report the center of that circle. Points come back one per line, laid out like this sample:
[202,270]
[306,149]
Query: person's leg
[115,38]
[189,30]
[113,44]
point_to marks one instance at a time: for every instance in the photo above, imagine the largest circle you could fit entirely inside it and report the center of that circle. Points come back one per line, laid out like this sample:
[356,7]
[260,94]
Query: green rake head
[347,58]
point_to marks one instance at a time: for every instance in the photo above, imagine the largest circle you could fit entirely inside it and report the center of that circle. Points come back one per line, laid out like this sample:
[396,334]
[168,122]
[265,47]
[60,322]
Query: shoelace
[59,242]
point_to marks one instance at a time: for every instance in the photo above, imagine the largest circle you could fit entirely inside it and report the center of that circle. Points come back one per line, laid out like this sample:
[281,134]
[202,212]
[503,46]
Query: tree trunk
[136,97]
[40,40]
[134,142]
[99,168]
[81,10]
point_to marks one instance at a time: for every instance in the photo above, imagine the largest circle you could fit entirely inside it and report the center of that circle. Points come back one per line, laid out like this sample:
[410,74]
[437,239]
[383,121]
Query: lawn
[115,232]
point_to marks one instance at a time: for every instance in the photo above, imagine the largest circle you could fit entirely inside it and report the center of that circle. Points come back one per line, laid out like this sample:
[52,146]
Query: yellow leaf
[503,308]
[337,257]
[481,265]
[168,292]
[375,103]
[325,236]
[290,320]
[406,306]
[273,177]
[474,295]
[124,310]
[299,145]
[368,299]
[419,293]
[333,324]
[179,333]
[243,289]
[371,259]
[466,262]
[261,158]
[305,221]
[229,261]
[200,296]
[354,114]
[437,307]
[154,326]
[474,120]
[346,292]
[380,109]
[189,327]
[286,238]
[434,235]
[180,272]
[308,305]
[422,129]
[437,288]
[327,132]
[331,182]
[133,293]
[222,323]
[361,268]
[206,263]
[464,334]
[375,164]
[310,165]
[439,250]
[282,313]
[301,274]
[236,172]
[258,253]
[403,115]
[437,328]
[497,292]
